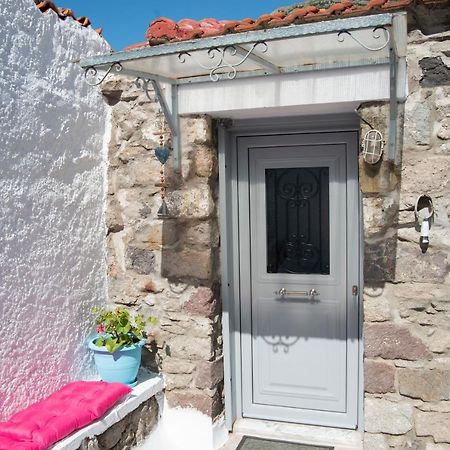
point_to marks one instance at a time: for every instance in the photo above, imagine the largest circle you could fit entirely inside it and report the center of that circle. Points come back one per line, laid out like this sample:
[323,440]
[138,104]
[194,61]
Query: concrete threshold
[338,438]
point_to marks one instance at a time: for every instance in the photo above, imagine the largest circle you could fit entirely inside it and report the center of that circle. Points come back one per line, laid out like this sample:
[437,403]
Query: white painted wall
[52,188]
[185,429]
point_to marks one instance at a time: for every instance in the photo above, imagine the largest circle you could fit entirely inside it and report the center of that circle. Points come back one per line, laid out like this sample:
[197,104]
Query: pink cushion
[48,421]
[13,444]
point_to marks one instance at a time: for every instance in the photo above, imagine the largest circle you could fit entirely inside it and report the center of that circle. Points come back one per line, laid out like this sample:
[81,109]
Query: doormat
[253,443]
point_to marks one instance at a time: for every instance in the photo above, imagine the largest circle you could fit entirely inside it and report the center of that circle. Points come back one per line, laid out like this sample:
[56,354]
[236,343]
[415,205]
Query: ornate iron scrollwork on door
[298,220]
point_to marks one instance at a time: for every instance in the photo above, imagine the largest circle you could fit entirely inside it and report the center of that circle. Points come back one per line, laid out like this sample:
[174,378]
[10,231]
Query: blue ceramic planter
[121,366]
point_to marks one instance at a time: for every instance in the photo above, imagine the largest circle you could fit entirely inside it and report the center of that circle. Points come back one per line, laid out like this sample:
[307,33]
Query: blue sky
[124,21]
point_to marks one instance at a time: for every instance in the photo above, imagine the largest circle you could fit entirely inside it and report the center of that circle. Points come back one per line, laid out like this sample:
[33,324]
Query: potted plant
[118,345]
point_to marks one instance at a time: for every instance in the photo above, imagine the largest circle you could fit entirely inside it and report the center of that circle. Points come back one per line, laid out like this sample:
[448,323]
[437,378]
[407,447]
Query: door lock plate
[354,290]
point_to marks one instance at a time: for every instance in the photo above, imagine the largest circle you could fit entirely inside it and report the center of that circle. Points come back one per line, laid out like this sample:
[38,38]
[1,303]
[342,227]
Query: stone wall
[129,432]
[407,291]
[167,268]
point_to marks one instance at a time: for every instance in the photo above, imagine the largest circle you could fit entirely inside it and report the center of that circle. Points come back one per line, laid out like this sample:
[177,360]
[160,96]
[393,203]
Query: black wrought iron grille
[298,221]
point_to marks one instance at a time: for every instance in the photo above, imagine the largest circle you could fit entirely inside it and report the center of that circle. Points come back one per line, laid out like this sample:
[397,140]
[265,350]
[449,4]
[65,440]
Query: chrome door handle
[283,293]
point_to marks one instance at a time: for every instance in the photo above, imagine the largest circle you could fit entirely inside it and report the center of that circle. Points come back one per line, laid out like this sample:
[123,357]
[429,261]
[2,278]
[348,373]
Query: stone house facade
[170,268]
[406,292]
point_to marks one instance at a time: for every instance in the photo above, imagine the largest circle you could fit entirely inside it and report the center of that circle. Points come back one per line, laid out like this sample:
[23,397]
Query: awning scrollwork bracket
[93,78]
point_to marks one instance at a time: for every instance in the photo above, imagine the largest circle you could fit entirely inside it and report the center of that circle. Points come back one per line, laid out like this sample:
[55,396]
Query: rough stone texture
[433,424]
[407,290]
[52,189]
[383,416]
[379,259]
[375,442]
[202,302]
[379,377]
[141,260]
[167,268]
[209,374]
[428,385]
[376,303]
[435,72]
[129,432]
[431,266]
[188,263]
[208,402]
[391,341]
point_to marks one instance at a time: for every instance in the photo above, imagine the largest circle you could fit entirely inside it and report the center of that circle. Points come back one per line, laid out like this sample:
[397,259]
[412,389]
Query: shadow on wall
[379,185]
[166,267]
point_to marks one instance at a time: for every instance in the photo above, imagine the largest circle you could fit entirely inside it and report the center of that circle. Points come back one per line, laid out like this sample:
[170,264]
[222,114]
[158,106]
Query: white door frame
[229,227]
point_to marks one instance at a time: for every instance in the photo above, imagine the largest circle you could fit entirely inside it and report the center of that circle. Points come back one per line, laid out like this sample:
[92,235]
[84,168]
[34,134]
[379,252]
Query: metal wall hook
[424,214]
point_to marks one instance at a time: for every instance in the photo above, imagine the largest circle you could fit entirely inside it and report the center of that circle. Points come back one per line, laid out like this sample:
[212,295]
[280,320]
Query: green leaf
[120,327]
[100,342]
[111,344]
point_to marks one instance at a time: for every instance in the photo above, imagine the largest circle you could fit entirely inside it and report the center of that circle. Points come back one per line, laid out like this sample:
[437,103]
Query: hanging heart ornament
[162,153]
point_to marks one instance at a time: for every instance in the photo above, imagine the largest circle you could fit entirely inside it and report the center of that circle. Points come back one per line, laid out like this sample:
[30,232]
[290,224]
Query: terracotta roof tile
[64,13]
[396,4]
[164,30]
[138,45]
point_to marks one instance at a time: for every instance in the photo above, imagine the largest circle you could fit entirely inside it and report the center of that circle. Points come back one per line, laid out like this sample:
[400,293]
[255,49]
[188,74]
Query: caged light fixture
[372,146]
[373,142]
[162,153]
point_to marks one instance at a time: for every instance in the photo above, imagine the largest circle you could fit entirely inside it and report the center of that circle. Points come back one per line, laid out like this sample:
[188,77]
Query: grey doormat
[253,443]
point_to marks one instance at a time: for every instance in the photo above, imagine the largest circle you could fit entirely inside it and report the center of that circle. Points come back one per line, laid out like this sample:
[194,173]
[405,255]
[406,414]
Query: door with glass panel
[299,264]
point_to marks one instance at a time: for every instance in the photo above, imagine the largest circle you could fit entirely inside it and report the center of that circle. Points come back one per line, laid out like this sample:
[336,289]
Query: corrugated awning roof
[346,42]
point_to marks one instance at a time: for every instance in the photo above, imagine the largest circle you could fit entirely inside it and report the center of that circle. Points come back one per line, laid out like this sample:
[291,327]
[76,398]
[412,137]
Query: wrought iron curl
[91,74]
[143,83]
[222,66]
[376,34]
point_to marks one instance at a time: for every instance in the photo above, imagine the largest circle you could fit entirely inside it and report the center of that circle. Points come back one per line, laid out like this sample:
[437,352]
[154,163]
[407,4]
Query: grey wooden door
[299,228]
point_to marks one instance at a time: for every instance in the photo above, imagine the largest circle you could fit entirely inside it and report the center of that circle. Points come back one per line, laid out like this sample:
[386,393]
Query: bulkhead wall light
[372,146]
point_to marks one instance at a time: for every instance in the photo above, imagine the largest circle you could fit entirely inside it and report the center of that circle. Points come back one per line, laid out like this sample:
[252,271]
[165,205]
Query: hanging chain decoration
[91,74]
[220,57]
[377,33]
[162,153]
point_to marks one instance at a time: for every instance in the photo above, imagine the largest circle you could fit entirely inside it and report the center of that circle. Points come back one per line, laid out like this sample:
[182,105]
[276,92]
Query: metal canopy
[351,42]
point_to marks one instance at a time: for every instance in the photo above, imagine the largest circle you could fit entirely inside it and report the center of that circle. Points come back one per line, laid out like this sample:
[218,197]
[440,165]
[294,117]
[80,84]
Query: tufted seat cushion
[48,421]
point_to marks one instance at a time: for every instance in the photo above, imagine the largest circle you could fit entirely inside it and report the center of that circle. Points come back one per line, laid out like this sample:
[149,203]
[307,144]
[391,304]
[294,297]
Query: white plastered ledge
[149,385]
